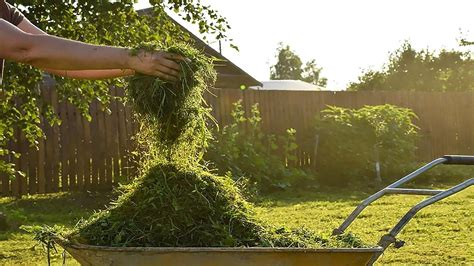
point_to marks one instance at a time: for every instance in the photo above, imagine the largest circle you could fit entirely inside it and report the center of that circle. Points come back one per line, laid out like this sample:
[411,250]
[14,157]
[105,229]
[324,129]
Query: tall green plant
[259,162]
[352,141]
[99,22]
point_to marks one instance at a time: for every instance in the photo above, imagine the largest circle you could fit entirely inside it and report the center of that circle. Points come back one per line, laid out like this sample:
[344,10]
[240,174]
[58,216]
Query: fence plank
[115,147]
[72,146]
[80,156]
[47,161]
[15,183]
[129,142]
[4,177]
[101,147]
[109,150]
[32,170]
[54,154]
[5,190]
[95,145]
[122,136]
[64,148]
[87,154]
[40,165]
[468,128]
[23,161]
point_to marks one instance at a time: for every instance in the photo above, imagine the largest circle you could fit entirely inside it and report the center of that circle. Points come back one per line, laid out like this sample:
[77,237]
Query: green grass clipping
[175,202]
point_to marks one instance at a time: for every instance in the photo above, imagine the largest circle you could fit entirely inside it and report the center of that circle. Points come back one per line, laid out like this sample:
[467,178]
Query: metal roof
[290,85]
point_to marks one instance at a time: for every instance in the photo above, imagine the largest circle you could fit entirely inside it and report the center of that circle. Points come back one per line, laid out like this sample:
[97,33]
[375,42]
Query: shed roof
[288,85]
[229,75]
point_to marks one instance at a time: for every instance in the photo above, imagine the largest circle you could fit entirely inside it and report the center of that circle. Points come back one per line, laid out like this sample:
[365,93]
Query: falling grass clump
[175,203]
[173,109]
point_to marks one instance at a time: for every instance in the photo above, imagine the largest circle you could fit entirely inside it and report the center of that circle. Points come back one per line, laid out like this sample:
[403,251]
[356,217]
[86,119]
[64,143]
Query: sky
[345,37]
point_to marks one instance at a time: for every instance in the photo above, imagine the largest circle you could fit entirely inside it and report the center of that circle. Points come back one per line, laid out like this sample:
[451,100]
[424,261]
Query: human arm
[50,52]
[28,27]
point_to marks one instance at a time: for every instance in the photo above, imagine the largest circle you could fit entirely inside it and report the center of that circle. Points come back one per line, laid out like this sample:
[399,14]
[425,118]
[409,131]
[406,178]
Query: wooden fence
[76,155]
[82,155]
[445,120]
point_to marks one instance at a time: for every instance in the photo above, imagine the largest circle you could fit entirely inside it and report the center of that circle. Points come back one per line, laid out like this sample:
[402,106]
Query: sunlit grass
[439,234]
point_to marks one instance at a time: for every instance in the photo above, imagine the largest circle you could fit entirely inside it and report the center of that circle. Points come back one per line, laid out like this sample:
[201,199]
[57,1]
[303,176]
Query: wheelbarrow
[147,256]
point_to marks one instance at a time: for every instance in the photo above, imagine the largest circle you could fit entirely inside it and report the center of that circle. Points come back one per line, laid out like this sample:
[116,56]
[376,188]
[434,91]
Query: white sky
[344,36]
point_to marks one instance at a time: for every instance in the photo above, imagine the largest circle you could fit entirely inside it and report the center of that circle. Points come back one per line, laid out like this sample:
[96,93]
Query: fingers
[166,77]
[170,64]
[168,60]
[168,71]
[174,57]
[164,65]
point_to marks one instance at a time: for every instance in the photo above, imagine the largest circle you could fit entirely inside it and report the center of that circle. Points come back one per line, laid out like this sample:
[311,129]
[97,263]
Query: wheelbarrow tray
[147,256]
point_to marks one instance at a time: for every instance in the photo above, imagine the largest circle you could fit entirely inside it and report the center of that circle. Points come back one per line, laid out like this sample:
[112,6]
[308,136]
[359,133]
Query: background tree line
[407,69]
[421,70]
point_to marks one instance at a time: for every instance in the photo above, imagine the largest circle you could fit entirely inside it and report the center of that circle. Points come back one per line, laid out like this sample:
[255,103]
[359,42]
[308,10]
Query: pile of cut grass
[178,207]
[176,203]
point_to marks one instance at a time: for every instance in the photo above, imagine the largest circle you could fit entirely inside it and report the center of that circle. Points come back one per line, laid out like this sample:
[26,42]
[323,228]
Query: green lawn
[440,234]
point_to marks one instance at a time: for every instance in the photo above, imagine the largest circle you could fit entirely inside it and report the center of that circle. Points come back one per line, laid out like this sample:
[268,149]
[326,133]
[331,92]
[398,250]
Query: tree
[312,74]
[422,70]
[99,22]
[290,66]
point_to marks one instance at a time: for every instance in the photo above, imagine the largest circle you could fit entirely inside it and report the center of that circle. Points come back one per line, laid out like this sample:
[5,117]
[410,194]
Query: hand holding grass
[157,63]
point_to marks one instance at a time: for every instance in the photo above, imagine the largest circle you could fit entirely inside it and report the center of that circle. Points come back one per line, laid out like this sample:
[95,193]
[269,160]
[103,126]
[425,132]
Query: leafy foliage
[46,236]
[423,70]
[99,22]
[352,141]
[258,162]
[312,74]
[290,66]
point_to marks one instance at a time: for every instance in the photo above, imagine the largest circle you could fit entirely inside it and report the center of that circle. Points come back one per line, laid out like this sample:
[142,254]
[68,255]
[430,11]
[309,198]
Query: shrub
[352,141]
[258,162]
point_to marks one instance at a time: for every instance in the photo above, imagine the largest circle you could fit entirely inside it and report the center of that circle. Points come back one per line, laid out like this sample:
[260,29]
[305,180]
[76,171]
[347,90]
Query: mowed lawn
[440,234]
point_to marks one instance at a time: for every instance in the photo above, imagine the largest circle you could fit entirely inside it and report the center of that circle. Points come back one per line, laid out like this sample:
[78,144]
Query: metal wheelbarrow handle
[459,159]
[393,188]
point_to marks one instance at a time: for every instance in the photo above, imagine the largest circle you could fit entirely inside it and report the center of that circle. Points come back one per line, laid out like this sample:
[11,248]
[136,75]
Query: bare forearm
[50,52]
[28,27]
[92,74]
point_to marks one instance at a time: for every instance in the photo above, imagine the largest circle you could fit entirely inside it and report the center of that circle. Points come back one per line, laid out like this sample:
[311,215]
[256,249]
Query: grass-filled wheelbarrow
[141,256]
